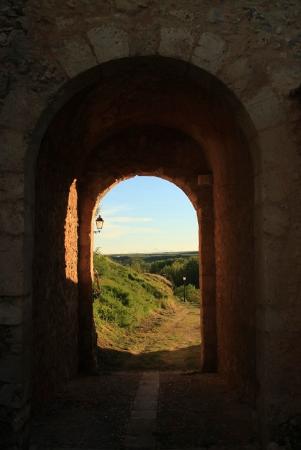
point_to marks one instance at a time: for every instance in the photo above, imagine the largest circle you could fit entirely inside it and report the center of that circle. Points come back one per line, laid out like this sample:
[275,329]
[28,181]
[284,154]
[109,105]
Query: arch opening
[145,318]
[145,116]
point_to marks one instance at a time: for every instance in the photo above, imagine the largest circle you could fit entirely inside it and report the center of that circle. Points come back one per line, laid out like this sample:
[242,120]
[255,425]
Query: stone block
[215,15]
[11,340]
[209,52]
[284,78]
[11,395]
[131,6]
[109,42]
[277,149]
[11,186]
[265,109]
[11,312]
[238,74]
[75,56]
[22,109]
[277,320]
[13,149]
[12,217]
[11,369]
[184,15]
[176,43]
[64,23]
[272,187]
[22,417]
[145,42]
[12,266]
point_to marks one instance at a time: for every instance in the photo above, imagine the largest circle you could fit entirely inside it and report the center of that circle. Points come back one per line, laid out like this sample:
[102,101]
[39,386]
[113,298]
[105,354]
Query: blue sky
[146,215]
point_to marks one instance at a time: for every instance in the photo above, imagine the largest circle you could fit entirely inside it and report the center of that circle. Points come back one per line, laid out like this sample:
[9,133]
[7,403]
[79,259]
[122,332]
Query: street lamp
[184,283]
[99,223]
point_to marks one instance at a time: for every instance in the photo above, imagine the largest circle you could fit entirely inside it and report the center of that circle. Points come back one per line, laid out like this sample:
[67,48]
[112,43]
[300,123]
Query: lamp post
[184,283]
[99,224]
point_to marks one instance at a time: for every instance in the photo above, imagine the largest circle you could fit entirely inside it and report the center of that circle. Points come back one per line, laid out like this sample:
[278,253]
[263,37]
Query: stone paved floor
[145,410]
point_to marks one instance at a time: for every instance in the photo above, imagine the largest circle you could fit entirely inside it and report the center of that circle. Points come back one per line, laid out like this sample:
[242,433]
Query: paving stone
[142,424]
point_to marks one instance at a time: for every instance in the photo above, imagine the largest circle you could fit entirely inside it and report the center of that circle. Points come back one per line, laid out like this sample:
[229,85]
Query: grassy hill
[124,297]
[139,321]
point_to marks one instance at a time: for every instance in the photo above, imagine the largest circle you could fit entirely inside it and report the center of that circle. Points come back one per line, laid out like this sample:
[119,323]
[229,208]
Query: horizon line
[150,253]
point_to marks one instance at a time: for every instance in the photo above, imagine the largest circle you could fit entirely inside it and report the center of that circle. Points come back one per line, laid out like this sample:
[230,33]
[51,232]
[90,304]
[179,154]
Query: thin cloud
[129,219]
[115,231]
[112,211]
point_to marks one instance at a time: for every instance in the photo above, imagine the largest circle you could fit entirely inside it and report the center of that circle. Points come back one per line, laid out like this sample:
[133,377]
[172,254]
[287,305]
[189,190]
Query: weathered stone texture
[13,145]
[265,109]
[176,43]
[109,42]
[255,50]
[11,310]
[209,52]
[75,56]
[12,265]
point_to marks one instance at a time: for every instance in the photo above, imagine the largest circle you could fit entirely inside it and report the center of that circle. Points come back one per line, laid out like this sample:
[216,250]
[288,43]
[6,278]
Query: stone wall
[55,283]
[255,50]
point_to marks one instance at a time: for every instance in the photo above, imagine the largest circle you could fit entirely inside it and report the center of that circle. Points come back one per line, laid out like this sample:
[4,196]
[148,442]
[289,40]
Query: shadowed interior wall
[55,309]
[153,92]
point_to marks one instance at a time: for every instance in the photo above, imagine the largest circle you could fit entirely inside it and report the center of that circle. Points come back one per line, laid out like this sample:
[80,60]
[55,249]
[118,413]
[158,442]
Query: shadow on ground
[188,358]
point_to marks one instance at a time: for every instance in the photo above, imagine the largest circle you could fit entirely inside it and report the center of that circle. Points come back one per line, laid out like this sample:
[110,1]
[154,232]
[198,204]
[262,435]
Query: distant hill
[151,257]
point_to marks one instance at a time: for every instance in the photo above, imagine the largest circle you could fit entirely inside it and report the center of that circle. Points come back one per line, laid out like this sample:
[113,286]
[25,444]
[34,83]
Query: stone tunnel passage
[134,410]
[153,142]
[144,116]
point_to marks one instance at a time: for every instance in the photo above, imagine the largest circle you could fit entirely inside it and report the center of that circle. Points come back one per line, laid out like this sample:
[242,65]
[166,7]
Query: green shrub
[175,269]
[192,294]
[124,296]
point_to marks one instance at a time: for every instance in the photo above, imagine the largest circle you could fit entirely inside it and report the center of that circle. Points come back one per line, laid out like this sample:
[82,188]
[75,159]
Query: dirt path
[166,340]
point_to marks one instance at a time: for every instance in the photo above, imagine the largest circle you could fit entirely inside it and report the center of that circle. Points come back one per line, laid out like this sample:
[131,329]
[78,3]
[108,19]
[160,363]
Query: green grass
[124,297]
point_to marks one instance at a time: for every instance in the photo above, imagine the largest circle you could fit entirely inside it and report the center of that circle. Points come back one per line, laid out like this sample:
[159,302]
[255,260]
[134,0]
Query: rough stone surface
[238,75]
[109,42]
[176,43]
[255,50]
[208,54]
[11,258]
[146,41]
[75,56]
[11,186]
[11,310]
[265,109]
[13,147]
[21,109]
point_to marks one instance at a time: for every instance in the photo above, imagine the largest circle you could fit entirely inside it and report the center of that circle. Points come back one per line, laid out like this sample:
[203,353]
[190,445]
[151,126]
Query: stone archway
[135,94]
[168,154]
